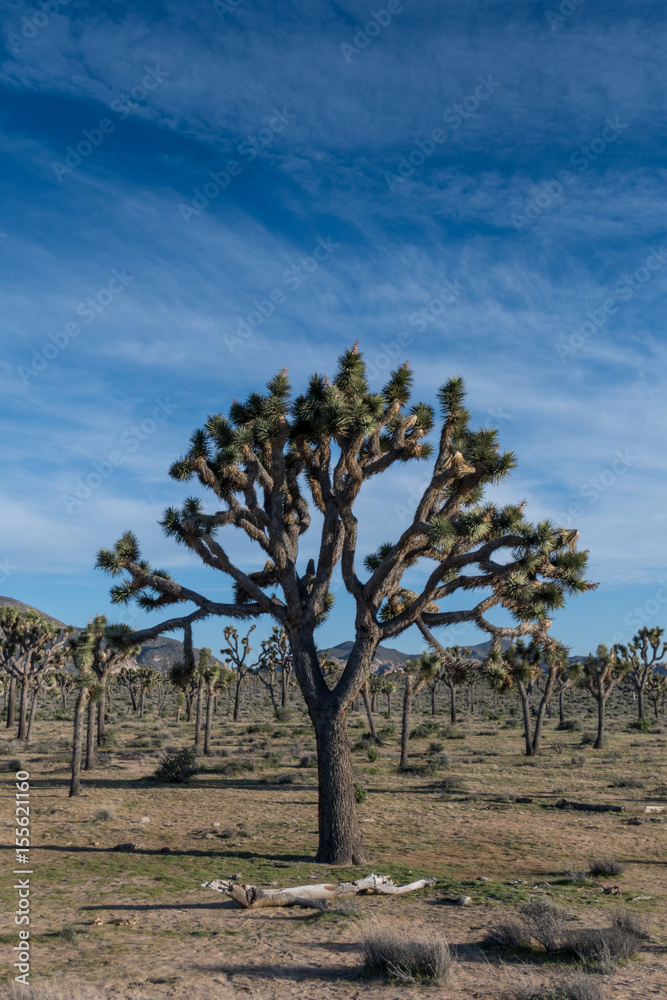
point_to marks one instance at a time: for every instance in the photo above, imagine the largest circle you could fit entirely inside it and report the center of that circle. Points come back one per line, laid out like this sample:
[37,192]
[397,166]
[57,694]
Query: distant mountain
[12,603]
[159,653]
[391,659]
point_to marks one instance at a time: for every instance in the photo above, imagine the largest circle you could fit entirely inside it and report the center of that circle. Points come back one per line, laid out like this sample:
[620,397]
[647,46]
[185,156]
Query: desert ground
[251,811]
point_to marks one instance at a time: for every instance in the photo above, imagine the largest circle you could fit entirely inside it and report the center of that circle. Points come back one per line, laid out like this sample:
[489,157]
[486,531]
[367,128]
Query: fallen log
[313,896]
[589,806]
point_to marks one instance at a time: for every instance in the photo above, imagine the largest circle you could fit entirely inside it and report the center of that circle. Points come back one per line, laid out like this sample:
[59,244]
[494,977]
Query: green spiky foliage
[277,455]
[644,653]
[103,648]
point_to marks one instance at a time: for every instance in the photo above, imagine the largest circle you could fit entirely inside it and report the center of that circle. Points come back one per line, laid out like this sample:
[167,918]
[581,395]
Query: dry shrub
[508,935]
[426,959]
[602,949]
[545,922]
[106,813]
[576,986]
[606,867]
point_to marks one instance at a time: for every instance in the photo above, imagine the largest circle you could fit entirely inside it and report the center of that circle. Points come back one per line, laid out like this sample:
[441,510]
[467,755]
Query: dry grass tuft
[426,959]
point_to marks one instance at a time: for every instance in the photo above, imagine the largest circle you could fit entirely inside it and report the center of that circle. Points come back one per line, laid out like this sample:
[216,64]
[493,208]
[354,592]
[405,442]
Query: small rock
[216,823]
[235,877]
[482,878]
[145,819]
[613,890]
[463,901]
[165,850]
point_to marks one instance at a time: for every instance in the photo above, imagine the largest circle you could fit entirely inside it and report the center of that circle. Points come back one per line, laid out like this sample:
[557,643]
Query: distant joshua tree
[644,654]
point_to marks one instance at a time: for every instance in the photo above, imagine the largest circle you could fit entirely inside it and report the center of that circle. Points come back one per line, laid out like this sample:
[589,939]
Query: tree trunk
[472,699]
[90,738]
[561,707]
[23,710]
[640,701]
[133,697]
[237,700]
[188,708]
[452,704]
[142,697]
[33,710]
[11,703]
[369,712]
[405,730]
[525,703]
[545,701]
[389,705]
[340,840]
[207,730]
[101,711]
[63,695]
[198,713]
[433,699]
[602,705]
[77,742]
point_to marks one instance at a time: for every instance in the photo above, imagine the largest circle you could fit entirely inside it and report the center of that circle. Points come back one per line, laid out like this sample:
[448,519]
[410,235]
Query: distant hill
[159,653]
[391,659]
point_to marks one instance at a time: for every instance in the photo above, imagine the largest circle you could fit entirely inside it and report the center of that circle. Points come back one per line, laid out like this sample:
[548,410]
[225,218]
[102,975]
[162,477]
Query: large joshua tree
[272,452]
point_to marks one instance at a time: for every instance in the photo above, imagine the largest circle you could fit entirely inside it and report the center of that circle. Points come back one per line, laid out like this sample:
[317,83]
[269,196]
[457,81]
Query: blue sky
[483,184]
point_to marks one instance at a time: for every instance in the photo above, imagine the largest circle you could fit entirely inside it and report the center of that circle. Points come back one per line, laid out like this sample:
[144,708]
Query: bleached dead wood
[313,896]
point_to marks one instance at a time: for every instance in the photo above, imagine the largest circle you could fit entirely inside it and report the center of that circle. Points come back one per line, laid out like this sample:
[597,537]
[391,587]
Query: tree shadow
[223,904]
[299,972]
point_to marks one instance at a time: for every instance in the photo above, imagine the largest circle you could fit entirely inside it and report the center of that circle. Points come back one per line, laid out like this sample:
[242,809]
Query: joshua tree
[103,649]
[275,661]
[236,657]
[644,653]
[29,646]
[204,671]
[146,678]
[656,691]
[217,678]
[600,675]
[455,667]
[66,682]
[418,673]
[263,460]
[388,688]
[528,666]
[89,692]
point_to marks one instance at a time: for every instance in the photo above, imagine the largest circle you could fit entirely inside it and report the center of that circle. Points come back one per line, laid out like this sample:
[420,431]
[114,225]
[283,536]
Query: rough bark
[407,713]
[198,713]
[33,710]
[11,703]
[452,704]
[90,737]
[369,712]
[340,840]
[602,707]
[23,709]
[101,712]
[525,704]
[312,896]
[237,699]
[207,727]
[77,742]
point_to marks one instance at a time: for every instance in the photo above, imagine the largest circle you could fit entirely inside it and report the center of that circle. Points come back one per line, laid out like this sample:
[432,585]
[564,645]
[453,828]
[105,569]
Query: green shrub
[178,767]
[606,868]
[360,794]
[273,758]
[569,725]
[308,760]
[372,753]
[428,728]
